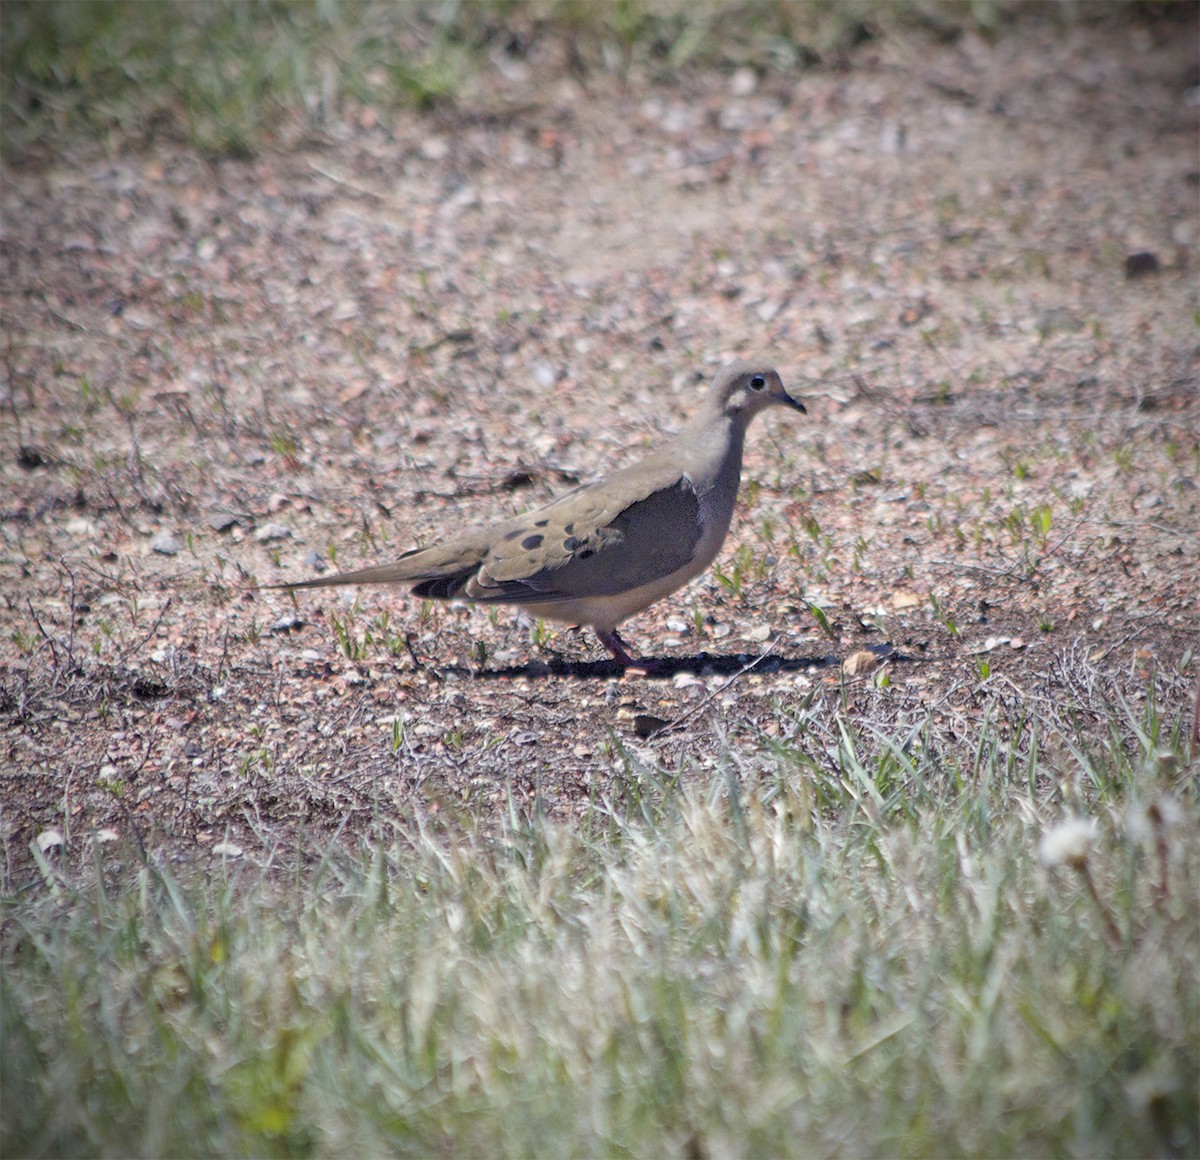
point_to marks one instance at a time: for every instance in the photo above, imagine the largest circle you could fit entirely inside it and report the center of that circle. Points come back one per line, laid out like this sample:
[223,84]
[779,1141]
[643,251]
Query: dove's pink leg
[616,646]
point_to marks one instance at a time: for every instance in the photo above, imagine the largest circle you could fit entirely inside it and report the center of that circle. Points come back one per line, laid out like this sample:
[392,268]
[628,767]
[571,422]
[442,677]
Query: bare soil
[975,262]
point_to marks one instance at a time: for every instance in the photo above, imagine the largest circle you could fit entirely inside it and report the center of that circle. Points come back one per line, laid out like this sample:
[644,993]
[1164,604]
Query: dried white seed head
[1162,763]
[1165,812]
[1146,822]
[1068,843]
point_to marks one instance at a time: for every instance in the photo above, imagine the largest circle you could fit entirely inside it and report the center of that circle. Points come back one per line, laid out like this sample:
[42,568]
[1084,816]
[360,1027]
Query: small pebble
[743,82]
[1141,264]
[859,662]
[545,376]
[49,839]
[166,543]
[269,532]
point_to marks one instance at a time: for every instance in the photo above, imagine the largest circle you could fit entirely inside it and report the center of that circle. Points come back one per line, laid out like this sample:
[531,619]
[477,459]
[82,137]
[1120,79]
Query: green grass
[853,950]
[231,76]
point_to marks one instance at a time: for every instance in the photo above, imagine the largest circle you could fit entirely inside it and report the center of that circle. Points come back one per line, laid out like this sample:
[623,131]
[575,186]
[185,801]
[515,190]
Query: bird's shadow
[660,668]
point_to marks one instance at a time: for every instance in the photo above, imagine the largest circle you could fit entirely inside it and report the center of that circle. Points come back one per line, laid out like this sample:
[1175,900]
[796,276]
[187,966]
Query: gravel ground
[975,262]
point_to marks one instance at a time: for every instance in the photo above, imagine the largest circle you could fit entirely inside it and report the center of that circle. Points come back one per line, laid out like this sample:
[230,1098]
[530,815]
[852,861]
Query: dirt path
[976,263]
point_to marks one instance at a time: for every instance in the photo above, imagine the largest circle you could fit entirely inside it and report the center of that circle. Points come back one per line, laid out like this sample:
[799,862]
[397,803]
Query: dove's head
[742,389]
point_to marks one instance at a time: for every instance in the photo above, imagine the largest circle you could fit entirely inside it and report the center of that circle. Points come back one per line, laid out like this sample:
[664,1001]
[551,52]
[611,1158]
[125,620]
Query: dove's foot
[625,659]
[616,646]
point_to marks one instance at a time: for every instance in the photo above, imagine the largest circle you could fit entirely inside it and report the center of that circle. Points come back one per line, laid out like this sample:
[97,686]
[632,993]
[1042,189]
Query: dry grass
[704,965]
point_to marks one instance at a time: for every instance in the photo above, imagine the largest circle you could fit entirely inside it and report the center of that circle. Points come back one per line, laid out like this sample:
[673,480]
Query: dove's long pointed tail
[399,572]
[438,571]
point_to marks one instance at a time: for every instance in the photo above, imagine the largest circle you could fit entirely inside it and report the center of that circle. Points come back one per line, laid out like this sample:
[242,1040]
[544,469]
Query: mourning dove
[605,551]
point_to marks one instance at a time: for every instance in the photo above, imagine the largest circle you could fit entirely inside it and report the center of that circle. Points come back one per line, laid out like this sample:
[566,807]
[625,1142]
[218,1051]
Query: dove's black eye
[757,383]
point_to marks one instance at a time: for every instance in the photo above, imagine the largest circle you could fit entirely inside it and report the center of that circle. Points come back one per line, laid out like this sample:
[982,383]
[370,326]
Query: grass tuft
[230,77]
[872,947]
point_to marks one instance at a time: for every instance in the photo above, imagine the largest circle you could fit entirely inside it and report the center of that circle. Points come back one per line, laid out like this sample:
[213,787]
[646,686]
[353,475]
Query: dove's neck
[713,443]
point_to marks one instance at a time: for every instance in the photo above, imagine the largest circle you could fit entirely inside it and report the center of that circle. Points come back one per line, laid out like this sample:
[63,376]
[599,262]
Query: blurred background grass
[231,77]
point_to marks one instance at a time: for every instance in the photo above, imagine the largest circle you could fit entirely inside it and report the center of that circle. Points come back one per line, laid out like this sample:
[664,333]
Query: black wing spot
[571,543]
[541,523]
[531,542]
[586,554]
[510,536]
[570,528]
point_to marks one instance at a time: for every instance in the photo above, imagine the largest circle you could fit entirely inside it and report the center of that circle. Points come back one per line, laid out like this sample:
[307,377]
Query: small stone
[1142,264]
[222,521]
[138,319]
[287,623]
[743,82]
[270,532]
[49,840]
[166,544]
[760,634]
[435,148]
[859,662]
